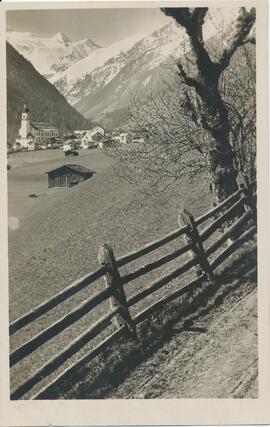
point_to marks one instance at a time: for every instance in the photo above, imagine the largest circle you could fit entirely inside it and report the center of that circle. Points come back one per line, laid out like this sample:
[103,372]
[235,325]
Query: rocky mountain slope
[24,83]
[101,84]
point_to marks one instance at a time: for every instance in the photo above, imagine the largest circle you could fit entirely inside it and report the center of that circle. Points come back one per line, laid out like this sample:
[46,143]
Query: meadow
[58,235]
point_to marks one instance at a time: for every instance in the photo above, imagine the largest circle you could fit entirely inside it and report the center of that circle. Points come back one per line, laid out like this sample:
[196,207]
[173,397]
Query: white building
[90,135]
[98,129]
[84,144]
[125,138]
[34,134]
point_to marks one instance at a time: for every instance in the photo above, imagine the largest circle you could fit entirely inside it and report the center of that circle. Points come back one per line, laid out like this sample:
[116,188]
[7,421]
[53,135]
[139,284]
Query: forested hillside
[24,83]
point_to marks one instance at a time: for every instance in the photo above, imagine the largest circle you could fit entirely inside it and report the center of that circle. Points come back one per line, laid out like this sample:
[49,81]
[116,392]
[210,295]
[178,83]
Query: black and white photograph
[131,148]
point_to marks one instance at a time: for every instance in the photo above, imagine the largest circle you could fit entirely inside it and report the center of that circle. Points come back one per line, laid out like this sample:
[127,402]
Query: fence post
[113,281]
[243,184]
[193,237]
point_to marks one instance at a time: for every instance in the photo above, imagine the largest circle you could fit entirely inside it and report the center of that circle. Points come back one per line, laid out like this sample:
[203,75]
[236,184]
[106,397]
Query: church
[34,135]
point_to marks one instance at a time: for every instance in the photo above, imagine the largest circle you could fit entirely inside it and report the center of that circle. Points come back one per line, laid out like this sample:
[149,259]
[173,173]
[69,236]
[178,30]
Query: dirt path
[215,357]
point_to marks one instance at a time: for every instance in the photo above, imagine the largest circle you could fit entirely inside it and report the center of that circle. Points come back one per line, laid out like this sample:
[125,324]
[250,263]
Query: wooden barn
[68,175]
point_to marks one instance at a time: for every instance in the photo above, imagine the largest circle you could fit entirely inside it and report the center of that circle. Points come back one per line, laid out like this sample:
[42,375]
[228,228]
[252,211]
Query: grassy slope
[202,348]
[58,242]
[71,228]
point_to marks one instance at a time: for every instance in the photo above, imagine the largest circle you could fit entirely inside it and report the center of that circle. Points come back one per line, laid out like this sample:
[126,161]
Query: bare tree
[182,135]
[171,145]
[204,78]
[238,90]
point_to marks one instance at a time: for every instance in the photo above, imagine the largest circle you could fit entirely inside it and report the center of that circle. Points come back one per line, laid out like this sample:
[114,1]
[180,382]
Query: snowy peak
[98,80]
[97,59]
[72,54]
[50,54]
[61,38]
[96,70]
[87,42]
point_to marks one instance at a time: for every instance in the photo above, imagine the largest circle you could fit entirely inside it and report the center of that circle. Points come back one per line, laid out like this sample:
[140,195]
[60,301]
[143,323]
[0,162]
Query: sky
[103,26]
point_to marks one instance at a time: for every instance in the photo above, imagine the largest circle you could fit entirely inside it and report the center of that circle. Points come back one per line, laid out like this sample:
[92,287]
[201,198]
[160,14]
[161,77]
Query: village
[44,136]
[46,142]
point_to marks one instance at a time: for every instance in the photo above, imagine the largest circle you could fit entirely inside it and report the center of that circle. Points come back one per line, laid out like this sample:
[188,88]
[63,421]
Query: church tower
[25,122]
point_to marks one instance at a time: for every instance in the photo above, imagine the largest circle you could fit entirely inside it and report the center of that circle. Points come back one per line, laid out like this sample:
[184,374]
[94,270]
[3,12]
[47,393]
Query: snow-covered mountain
[102,82]
[98,81]
[94,71]
[50,55]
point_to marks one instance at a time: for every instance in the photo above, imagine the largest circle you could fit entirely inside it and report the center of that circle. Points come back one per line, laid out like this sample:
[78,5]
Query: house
[116,137]
[84,144]
[71,142]
[79,133]
[137,139]
[55,143]
[104,143]
[97,137]
[125,138]
[98,129]
[90,135]
[34,134]
[16,146]
[32,145]
[67,145]
[68,175]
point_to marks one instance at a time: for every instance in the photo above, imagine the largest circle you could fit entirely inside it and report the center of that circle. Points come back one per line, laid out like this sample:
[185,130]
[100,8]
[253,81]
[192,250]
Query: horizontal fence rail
[211,214]
[69,351]
[59,326]
[233,219]
[229,214]
[132,256]
[227,234]
[163,281]
[155,264]
[55,300]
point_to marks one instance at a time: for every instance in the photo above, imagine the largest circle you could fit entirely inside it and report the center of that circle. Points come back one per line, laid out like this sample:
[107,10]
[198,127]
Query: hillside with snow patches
[101,83]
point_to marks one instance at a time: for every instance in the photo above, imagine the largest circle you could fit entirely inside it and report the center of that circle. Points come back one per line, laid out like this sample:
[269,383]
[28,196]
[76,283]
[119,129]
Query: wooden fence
[235,216]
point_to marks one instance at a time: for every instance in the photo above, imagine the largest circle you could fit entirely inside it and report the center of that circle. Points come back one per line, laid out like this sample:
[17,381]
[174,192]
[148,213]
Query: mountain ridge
[49,55]
[104,87]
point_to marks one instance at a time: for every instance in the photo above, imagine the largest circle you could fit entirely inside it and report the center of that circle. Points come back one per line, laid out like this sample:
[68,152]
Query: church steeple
[25,122]
[25,108]
[25,112]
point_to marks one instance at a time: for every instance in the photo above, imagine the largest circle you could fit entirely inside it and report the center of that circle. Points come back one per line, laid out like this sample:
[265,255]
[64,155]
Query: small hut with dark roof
[68,175]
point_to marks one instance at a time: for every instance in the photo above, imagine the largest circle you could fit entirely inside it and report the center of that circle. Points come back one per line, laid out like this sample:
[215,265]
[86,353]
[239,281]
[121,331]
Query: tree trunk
[213,115]
[215,120]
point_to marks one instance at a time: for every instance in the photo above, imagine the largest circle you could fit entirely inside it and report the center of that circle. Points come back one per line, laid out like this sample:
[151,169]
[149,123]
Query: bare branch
[240,36]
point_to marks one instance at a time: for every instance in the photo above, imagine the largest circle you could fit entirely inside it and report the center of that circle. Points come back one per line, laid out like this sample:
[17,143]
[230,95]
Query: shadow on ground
[99,378]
